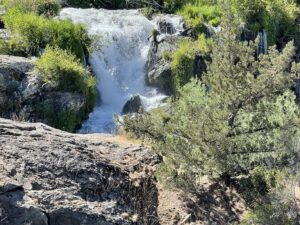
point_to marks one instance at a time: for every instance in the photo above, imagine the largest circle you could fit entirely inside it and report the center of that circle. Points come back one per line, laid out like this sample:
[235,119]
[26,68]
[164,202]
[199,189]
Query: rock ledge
[51,177]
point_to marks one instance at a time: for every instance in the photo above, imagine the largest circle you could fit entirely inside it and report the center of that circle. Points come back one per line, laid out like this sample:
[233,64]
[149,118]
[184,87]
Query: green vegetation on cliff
[46,8]
[63,72]
[61,47]
[31,33]
[183,64]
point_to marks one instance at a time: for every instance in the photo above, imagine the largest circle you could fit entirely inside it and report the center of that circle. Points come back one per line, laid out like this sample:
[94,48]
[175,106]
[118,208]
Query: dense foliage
[31,33]
[41,7]
[241,115]
[62,71]
[183,64]
[278,18]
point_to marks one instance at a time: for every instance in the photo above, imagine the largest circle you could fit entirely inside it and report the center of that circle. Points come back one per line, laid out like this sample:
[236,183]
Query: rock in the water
[165,27]
[24,96]
[158,71]
[4,34]
[133,105]
[51,177]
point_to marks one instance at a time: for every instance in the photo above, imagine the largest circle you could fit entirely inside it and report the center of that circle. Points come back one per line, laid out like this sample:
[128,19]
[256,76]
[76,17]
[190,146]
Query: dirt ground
[213,205]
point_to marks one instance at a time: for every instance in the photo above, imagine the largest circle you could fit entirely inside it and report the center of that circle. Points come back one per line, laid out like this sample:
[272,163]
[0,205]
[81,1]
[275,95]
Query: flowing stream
[121,47]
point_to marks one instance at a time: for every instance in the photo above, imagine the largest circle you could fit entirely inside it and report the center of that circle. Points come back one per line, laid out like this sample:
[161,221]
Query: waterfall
[121,47]
[263,43]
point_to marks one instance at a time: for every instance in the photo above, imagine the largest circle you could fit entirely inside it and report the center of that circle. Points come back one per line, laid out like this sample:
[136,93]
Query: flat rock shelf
[52,177]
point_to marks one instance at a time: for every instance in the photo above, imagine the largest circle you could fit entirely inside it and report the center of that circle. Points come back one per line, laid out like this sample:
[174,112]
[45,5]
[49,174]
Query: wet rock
[51,177]
[133,105]
[166,27]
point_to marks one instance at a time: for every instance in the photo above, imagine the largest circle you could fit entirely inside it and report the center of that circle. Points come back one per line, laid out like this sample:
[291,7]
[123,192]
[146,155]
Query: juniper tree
[241,114]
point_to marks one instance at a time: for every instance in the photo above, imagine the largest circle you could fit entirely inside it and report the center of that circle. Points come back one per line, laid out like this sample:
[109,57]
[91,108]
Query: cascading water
[263,43]
[118,61]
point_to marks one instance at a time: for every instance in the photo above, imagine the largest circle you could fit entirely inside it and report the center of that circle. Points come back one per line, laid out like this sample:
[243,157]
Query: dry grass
[122,138]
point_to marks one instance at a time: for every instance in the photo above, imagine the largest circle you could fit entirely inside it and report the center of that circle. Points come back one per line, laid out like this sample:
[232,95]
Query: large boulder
[133,105]
[23,94]
[48,177]
[158,70]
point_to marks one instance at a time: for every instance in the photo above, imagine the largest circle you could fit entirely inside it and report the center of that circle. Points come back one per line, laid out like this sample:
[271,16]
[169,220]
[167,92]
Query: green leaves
[183,64]
[31,33]
[242,114]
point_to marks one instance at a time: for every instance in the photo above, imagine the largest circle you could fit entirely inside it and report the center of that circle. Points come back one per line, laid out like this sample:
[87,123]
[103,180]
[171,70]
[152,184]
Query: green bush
[31,33]
[67,120]
[4,48]
[197,15]
[277,17]
[183,64]
[62,71]
[41,7]
[166,56]
[277,205]
[238,116]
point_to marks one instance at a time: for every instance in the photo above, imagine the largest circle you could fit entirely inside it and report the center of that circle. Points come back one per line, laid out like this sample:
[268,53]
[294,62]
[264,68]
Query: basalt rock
[297,91]
[133,105]
[158,71]
[49,177]
[23,94]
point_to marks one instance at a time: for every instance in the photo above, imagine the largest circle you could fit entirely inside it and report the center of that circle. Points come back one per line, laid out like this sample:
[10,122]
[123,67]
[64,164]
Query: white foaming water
[118,62]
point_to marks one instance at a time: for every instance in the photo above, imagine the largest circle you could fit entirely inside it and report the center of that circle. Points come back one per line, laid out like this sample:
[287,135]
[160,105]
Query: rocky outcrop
[297,90]
[158,71]
[24,96]
[49,177]
[133,105]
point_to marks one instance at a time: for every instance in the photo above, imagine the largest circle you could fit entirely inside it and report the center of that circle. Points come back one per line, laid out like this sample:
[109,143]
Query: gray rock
[23,93]
[4,34]
[51,177]
[133,105]
[166,27]
[297,90]
[158,71]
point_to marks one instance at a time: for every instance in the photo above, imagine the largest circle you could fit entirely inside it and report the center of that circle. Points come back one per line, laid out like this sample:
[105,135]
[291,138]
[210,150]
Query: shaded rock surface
[133,105]
[158,71]
[297,91]
[166,27]
[51,177]
[23,95]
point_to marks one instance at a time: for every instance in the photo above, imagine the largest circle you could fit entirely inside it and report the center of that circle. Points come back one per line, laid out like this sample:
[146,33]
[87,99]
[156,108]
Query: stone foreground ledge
[52,177]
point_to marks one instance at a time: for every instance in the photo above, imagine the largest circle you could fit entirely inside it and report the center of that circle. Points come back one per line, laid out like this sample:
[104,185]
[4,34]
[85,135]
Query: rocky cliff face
[158,70]
[51,177]
[23,95]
